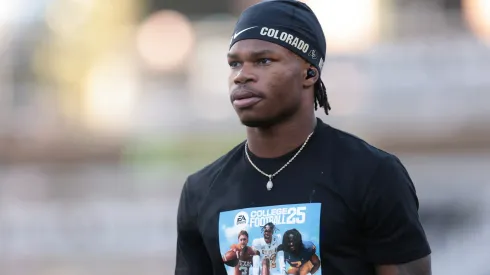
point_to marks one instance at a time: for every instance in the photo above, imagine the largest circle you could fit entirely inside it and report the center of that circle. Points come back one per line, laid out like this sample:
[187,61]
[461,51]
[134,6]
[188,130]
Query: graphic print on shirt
[271,240]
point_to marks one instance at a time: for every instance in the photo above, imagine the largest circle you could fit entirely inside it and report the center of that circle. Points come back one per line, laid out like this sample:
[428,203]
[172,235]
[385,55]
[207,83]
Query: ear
[311,76]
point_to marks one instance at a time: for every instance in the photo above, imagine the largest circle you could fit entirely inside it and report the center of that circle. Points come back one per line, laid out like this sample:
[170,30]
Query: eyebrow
[254,54]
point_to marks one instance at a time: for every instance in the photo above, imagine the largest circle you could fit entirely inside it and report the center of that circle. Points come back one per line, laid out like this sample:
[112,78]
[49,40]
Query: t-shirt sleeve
[192,257]
[310,248]
[391,226]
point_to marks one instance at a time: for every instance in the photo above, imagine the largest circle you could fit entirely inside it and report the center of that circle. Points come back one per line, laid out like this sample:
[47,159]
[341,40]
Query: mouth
[245,99]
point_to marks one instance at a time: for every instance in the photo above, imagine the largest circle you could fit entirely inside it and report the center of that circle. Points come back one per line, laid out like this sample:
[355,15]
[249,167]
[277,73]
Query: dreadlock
[273,228]
[321,99]
[297,240]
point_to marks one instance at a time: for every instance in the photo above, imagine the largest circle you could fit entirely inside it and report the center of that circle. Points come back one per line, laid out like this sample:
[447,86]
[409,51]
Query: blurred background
[107,106]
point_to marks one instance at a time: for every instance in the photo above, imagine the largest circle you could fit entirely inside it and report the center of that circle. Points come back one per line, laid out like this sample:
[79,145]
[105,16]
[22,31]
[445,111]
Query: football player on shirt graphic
[268,260]
[300,255]
[244,254]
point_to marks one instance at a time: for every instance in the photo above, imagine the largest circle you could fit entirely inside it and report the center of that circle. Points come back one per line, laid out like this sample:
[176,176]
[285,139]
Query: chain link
[270,176]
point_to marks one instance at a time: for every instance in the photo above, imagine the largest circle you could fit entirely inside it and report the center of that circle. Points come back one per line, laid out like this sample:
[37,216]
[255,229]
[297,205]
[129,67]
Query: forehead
[250,46]
[243,236]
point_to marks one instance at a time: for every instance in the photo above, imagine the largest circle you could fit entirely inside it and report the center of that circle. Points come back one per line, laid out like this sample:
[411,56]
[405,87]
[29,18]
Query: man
[266,259]
[300,255]
[292,162]
[244,254]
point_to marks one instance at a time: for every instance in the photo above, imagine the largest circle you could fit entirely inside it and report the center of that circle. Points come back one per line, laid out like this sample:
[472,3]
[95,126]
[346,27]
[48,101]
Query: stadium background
[106,106]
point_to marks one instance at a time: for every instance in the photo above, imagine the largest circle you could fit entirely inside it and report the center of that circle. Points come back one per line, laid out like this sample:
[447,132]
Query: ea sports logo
[241,219]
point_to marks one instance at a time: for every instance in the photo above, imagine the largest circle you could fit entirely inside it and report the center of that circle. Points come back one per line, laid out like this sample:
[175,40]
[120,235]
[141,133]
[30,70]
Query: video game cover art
[271,240]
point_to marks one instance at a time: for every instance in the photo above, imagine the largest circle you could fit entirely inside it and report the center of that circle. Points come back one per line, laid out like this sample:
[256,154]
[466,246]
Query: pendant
[269,185]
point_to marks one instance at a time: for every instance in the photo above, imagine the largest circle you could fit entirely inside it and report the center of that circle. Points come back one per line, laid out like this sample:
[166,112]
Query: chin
[266,116]
[261,122]
[258,123]
[255,123]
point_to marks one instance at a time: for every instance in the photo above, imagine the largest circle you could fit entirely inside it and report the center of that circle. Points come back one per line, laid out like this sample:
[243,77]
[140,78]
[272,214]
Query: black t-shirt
[353,205]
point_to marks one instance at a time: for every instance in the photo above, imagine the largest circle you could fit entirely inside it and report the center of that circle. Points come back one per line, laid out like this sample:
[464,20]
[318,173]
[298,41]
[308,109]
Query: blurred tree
[79,35]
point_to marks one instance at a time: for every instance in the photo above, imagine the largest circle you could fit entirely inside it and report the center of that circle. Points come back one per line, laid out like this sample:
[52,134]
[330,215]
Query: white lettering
[306,47]
[286,37]
[290,216]
[320,64]
[301,44]
[271,32]
[263,31]
[295,42]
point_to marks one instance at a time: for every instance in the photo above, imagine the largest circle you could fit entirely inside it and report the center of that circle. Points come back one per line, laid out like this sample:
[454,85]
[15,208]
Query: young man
[265,262]
[299,254]
[356,204]
[244,255]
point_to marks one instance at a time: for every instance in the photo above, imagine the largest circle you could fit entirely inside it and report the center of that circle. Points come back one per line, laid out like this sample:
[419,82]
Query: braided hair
[297,240]
[273,228]
[321,99]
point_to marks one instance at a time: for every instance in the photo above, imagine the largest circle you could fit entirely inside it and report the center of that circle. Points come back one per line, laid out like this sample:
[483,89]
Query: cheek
[275,83]
[231,80]
[284,85]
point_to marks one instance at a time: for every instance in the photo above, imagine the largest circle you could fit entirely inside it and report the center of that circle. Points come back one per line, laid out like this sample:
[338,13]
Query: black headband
[288,23]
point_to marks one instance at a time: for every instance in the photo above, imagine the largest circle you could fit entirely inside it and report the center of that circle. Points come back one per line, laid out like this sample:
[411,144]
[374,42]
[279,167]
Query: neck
[280,139]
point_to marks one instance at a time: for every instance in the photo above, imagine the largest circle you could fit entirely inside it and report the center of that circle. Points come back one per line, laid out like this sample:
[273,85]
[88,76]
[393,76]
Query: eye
[264,61]
[233,64]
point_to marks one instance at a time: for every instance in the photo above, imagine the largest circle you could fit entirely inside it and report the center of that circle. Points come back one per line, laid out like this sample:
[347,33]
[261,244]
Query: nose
[245,75]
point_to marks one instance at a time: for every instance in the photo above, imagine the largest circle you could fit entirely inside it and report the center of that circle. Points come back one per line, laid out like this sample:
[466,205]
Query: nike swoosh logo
[238,33]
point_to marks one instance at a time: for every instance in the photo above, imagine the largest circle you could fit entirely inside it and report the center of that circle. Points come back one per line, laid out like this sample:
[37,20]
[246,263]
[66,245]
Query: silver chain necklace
[270,176]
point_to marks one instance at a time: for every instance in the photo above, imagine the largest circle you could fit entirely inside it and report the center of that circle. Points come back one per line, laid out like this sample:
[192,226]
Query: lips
[245,99]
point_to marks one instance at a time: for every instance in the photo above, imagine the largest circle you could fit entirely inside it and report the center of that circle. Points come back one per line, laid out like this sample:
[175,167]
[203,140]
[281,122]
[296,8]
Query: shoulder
[378,167]
[347,148]
[278,238]
[372,175]
[250,251]
[308,245]
[203,179]
[355,148]
[359,167]
[356,157]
